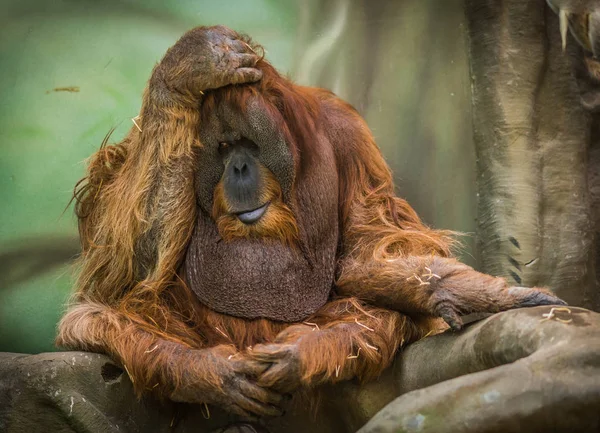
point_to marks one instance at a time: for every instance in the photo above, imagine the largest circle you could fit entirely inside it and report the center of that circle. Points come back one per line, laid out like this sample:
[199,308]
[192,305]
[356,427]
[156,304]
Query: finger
[527,297]
[245,75]
[271,352]
[261,394]
[245,60]
[251,367]
[450,316]
[269,357]
[274,376]
[257,408]
[240,46]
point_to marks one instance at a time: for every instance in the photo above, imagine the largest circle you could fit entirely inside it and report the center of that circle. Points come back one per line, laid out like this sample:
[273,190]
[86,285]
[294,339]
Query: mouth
[251,216]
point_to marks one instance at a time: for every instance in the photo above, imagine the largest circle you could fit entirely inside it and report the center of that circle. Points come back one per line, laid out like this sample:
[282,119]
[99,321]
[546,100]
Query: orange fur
[129,289]
[137,210]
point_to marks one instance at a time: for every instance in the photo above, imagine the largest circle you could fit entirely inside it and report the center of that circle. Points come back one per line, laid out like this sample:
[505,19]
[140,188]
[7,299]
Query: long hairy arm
[136,211]
[388,257]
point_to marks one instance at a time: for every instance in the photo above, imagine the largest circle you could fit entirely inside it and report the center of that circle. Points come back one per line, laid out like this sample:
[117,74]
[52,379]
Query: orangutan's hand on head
[204,58]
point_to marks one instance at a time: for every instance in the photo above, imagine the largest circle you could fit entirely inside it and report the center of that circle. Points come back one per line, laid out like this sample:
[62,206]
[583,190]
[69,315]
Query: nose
[242,182]
[240,169]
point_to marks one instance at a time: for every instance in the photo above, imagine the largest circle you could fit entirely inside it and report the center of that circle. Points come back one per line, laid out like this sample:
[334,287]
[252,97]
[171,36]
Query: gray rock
[517,371]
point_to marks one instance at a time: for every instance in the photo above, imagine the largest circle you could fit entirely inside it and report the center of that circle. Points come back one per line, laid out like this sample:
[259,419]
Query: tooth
[563,16]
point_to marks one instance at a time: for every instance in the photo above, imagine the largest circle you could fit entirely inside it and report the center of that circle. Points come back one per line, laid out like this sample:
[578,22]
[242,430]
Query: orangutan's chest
[253,278]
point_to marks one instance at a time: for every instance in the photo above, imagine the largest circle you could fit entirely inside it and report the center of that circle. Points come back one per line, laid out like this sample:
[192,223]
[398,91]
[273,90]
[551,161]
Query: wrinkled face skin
[229,136]
[244,180]
[266,237]
[247,175]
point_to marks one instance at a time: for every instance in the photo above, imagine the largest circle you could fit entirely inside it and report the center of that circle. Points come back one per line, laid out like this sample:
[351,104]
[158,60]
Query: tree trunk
[532,138]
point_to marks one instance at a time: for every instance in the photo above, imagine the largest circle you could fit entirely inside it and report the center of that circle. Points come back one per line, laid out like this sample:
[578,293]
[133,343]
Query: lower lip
[253,215]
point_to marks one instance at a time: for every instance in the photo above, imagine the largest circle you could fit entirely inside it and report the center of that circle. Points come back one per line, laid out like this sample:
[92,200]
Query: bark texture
[532,136]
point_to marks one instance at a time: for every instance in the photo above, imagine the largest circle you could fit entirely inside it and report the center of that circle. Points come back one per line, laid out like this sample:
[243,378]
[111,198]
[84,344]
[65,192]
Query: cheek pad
[209,165]
[262,128]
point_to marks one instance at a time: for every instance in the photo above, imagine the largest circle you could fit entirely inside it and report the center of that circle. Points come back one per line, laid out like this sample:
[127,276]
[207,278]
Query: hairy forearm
[164,140]
[168,119]
[345,339]
[152,362]
[434,286]
[171,368]
[409,284]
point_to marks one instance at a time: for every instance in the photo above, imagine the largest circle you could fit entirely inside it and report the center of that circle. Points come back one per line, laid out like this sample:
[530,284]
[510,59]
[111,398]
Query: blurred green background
[71,70]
